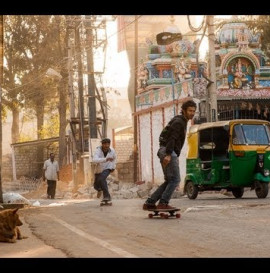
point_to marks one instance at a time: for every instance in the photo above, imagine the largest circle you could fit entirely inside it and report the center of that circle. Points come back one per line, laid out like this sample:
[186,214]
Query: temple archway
[240,70]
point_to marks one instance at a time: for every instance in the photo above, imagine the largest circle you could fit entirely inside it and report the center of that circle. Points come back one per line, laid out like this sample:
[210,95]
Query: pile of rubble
[67,190]
[118,190]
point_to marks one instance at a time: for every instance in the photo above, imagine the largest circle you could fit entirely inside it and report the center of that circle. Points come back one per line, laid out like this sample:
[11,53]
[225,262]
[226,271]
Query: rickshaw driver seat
[221,145]
[206,158]
[219,140]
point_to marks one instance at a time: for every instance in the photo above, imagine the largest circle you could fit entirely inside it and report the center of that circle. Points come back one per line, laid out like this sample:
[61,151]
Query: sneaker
[99,193]
[164,206]
[147,206]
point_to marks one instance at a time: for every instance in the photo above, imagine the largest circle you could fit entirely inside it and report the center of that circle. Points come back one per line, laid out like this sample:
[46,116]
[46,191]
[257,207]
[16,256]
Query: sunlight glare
[117,71]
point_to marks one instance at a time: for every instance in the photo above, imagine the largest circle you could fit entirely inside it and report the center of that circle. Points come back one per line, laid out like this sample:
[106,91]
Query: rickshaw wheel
[192,190]
[238,192]
[261,189]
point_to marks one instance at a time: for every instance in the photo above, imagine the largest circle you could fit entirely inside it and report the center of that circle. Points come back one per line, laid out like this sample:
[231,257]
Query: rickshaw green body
[217,160]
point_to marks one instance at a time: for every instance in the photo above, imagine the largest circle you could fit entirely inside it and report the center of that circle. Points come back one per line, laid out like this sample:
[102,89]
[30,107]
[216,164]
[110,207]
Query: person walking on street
[105,159]
[171,141]
[51,173]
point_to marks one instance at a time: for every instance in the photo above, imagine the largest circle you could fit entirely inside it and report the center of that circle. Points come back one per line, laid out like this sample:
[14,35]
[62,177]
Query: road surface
[213,225]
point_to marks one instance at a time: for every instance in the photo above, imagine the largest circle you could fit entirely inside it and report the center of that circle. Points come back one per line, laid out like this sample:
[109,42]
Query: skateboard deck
[105,203]
[164,213]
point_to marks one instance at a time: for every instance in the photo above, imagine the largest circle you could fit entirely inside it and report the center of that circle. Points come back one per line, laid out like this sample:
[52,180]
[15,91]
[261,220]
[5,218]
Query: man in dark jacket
[171,141]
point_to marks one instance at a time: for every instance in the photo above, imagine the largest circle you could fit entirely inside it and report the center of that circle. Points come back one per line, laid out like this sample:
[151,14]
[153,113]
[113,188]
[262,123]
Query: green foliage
[32,44]
[261,24]
[50,128]
[25,137]
[4,113]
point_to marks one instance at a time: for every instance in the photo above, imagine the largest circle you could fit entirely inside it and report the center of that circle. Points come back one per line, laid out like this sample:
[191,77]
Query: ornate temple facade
[243,74]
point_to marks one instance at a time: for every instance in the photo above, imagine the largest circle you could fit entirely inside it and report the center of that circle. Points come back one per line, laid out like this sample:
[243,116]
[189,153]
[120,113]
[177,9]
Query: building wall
[124,149]
[26,159]
[125,171]
[145,148]
[157,124]
[150,167]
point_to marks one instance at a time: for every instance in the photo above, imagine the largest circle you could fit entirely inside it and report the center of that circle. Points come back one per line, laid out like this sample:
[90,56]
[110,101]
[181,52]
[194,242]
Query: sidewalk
[33,247]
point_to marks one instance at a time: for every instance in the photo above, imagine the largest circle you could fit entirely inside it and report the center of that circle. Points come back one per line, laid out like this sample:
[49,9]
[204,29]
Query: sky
[117,67]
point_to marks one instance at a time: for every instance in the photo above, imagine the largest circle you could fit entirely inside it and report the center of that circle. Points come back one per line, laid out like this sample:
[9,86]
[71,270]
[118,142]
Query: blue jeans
[171,178]
[101,183]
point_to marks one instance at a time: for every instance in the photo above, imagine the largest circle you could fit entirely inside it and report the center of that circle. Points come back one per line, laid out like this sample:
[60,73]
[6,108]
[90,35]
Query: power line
[65,59]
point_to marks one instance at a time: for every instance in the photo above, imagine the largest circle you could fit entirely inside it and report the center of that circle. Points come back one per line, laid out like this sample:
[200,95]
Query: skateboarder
[105,159]
[171,141]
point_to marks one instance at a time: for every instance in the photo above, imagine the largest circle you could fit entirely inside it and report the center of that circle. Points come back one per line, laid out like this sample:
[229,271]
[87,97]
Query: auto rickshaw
[230,155]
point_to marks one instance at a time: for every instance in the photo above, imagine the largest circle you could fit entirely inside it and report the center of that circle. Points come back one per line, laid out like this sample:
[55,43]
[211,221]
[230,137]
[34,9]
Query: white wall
[145,146]
[145,143]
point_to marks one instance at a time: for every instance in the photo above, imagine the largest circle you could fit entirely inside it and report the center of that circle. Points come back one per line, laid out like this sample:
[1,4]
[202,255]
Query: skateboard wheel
[150,215]
[105,203]
[162,214]
[166,216]
[178,215]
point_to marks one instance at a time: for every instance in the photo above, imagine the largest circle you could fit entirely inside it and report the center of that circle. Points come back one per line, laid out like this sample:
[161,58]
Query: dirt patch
[41,191]
[65,173]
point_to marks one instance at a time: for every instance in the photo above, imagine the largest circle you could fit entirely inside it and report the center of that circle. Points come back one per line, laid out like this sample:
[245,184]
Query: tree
[27,61]
[261,24]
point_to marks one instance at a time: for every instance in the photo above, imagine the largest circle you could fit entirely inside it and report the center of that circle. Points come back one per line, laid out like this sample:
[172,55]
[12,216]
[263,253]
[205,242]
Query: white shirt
[100,160]
[51,169]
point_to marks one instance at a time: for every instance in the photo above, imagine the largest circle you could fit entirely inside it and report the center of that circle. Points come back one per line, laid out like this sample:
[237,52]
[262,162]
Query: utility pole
[1,84]
[80,84]
[135,148]
[104,97]
[91,79]
[212,68]
[70,72]
[70,43]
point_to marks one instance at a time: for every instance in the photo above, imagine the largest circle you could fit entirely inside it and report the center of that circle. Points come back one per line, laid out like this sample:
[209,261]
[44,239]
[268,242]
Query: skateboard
[164,213]
[105,203]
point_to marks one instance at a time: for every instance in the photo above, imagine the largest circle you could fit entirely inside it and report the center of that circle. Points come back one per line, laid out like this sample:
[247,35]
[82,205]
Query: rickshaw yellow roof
[197,127]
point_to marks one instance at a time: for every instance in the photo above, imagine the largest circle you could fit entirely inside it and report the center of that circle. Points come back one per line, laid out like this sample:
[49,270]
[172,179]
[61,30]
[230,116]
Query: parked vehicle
[228,155]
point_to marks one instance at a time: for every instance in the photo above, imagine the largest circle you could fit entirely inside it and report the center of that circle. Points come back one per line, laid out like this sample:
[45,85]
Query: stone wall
[27,161]
[124,149]
[125,163]
[125,171]
[28,165]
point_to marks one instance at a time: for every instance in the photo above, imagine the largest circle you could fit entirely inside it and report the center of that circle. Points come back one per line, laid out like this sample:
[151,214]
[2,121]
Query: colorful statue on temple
[181,71]
[240,74]
[142,75]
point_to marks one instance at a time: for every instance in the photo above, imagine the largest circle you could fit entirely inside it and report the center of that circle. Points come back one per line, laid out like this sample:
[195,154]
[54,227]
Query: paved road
[213,225]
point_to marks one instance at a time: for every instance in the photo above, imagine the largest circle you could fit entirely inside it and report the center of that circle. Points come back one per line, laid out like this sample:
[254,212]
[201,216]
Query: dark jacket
[174,134]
